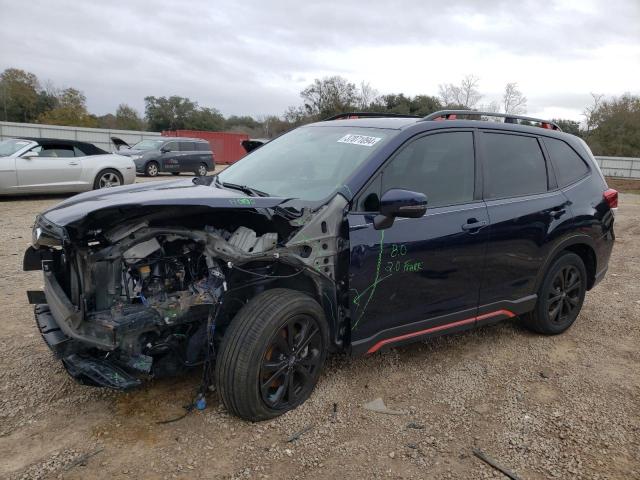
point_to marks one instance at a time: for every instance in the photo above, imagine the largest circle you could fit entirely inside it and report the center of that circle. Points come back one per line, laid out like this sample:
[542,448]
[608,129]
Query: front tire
[108,178]
[272,354]
[560,297]
[151,169]
[202,170]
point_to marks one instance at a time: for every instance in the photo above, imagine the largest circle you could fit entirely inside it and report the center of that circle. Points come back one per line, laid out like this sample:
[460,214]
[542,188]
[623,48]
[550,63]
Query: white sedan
[45,165]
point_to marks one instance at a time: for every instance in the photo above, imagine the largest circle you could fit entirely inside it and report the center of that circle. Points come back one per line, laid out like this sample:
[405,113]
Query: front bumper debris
[84,368]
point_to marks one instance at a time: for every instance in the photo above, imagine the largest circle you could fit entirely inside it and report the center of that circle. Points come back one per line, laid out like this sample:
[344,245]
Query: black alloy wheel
[290,363]
[272,353]
[560,296]
[564,295]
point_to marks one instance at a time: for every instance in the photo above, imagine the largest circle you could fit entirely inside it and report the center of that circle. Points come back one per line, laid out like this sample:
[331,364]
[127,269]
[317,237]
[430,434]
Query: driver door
[55,169]
[421,275]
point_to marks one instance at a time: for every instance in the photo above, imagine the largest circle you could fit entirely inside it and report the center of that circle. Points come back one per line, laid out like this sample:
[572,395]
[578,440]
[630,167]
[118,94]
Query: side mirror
[30,155]
[164,150]
[399,203]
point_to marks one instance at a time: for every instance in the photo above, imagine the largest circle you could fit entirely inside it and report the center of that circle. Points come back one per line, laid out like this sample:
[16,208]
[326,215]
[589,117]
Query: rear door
[526,212]
[189,157]
[55,169]
[421,275]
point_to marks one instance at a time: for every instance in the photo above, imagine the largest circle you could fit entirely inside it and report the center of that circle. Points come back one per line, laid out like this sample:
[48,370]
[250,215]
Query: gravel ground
[544,407]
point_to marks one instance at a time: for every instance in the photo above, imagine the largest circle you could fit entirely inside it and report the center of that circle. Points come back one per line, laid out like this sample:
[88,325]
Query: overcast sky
[254,57]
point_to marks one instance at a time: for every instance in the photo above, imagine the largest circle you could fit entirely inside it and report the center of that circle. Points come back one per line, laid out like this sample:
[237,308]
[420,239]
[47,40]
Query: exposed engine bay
[146,298]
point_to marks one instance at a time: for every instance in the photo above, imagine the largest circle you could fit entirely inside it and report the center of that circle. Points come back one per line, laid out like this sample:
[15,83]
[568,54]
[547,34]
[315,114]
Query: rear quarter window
[203,147]
[513,166]
[568,165]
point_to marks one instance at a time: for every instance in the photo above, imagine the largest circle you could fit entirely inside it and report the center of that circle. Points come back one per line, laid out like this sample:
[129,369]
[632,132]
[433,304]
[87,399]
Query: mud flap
[99,372]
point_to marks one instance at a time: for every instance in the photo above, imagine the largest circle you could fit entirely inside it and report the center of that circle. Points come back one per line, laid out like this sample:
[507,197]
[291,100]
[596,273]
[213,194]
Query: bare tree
[590,110]
[464,95]
[513,101]
[368,95]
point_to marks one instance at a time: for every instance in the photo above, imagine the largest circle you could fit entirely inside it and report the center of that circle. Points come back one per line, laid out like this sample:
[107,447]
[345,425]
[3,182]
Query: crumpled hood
[169,193]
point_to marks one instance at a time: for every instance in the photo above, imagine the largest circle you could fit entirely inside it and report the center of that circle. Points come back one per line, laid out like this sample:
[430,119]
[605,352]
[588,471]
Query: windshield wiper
[243,188]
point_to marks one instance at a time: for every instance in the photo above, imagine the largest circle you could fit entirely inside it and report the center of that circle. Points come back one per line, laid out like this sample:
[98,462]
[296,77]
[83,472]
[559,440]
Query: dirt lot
[545,407]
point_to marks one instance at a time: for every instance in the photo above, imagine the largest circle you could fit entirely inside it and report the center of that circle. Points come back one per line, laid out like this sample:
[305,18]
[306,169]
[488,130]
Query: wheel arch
[581,245]
[321,289]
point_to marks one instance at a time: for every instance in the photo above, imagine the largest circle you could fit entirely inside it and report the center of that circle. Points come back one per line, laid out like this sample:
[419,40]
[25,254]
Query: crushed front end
[142,299]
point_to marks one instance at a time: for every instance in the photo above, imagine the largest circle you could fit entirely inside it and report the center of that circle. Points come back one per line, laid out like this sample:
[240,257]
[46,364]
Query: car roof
[394,123]
[183,139]
[86,147]
[401,123]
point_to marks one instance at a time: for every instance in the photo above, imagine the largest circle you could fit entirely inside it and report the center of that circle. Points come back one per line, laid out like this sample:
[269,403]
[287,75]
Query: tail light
[611,197]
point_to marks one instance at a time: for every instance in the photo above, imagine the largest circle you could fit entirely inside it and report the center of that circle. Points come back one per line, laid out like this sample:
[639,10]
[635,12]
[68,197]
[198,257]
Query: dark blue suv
[353,234]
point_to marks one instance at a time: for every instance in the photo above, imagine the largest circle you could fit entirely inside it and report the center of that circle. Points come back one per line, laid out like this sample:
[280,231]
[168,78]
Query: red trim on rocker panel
[446,326]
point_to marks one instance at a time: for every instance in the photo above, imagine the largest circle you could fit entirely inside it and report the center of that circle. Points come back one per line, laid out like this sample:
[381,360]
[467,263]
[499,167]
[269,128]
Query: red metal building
[226,146]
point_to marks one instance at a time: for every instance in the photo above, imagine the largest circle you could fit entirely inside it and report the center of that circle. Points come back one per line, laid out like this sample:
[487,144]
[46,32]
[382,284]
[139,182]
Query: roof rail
[508,117]
[355,115]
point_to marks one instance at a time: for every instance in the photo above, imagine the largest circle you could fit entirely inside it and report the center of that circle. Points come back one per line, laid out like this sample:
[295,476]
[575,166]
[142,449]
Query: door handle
[473,225]
[73,163]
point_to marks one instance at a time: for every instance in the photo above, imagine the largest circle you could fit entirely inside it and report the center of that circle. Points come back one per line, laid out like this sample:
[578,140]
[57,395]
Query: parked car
[348,235]
[172,154]
[48,165]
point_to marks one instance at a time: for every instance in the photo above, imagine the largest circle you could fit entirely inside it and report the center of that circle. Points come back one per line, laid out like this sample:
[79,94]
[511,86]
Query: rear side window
[54,151]
[203,146]
[187,146]
[513,165]
[567,164]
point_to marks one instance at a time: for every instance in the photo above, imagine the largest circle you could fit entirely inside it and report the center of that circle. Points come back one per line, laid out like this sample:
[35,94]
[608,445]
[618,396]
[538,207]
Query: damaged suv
[320,241]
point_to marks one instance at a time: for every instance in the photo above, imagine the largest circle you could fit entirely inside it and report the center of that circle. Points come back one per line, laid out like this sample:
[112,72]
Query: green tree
[170,113]
[329,96]
[569,126]
[71,110]
[616,127]
[241,122]
[127,118]
[18,95]
[205,119]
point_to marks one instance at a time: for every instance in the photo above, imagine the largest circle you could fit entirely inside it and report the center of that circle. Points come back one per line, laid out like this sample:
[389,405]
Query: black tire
[151,169]
[560,296]
[202,170]
[106,178]
[175,173]
[254,374]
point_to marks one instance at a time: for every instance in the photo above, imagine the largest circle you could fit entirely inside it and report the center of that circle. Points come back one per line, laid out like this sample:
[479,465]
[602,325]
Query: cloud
[254,57]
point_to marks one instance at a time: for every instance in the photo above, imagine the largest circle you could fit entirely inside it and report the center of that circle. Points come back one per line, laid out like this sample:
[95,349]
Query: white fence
[100,137]
[624,167]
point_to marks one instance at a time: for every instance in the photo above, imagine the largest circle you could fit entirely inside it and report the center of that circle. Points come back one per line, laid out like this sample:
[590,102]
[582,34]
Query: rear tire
[106,178]
[272,354]
[560,296]
[202,170]
[151,169]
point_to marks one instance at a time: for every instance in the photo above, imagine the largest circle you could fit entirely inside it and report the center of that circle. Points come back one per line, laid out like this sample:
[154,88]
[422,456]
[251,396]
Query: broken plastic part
[246,240]
[100,372]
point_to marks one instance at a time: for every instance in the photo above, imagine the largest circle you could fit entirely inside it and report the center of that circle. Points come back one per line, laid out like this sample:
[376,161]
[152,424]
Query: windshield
[9,147]
[308,163]
[148,145]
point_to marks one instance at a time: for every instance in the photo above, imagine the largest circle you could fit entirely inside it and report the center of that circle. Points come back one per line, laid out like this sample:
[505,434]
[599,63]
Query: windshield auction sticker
[363,140]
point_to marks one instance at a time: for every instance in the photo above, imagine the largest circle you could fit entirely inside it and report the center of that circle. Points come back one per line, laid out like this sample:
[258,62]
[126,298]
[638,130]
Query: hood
[154,194]
[127,152]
